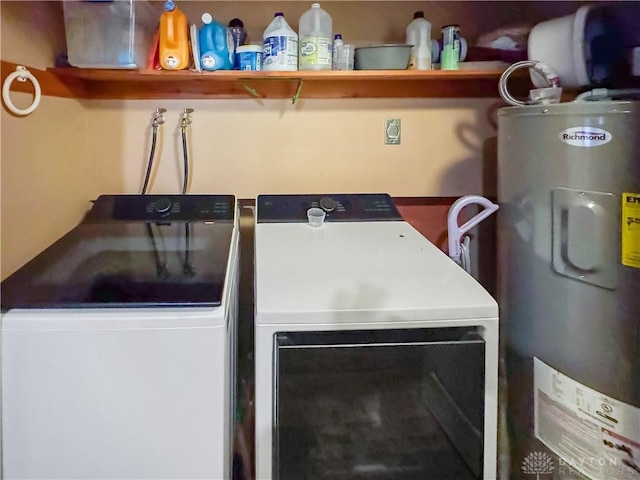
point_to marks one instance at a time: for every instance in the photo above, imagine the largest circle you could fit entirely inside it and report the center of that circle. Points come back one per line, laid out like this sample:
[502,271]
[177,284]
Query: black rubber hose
[150,162]
[185,155]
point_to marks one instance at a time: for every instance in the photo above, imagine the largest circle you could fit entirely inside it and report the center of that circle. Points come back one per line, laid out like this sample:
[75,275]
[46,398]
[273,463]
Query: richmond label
[585,136]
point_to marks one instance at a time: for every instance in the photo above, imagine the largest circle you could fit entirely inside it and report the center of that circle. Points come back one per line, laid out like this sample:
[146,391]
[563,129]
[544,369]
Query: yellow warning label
[631,229]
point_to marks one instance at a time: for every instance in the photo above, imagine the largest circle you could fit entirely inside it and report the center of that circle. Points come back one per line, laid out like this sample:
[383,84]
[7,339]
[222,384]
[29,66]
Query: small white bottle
[315,39]
[419,35]
[337,44]
[279,46]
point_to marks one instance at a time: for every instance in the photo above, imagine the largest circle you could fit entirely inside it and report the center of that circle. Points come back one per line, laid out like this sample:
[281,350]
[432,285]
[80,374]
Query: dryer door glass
[401,404]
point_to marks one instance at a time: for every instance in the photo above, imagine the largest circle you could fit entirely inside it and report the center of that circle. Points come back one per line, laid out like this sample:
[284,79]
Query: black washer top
[133,251]
[154,208]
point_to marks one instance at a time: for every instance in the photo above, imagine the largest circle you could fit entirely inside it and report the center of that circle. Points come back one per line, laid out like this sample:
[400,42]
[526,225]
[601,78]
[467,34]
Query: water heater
[569,287]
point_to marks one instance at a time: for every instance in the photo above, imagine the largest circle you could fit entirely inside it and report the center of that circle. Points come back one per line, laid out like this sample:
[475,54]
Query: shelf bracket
[255,93]
[250,89]
[296,95]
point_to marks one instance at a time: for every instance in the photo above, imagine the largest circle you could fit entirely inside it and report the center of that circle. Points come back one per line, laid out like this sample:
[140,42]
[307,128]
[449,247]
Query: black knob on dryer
[328,204]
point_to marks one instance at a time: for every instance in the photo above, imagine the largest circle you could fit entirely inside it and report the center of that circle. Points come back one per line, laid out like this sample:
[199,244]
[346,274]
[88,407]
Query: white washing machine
[376,355]
[118,345]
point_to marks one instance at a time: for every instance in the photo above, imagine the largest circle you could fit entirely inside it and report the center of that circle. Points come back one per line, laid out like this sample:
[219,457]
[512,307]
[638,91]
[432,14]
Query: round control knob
[162,205]
[328,204]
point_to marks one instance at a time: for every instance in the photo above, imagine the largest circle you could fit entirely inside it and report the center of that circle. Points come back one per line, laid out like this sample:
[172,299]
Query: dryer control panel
[358,207]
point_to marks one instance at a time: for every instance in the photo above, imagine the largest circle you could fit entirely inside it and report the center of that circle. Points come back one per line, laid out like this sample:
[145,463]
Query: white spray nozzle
[456,231]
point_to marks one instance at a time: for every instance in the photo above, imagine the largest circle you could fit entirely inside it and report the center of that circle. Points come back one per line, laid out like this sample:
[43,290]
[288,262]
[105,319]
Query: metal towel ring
[22,74]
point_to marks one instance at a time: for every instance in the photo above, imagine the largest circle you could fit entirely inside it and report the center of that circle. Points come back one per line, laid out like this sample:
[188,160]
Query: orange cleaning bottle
[174,38]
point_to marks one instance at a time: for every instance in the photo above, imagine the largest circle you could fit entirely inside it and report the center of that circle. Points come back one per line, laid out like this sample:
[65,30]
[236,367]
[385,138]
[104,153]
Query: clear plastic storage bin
[109,34]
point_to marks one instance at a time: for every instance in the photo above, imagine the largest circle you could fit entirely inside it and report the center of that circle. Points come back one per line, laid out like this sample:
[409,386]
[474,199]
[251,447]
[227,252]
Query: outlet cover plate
[392,131]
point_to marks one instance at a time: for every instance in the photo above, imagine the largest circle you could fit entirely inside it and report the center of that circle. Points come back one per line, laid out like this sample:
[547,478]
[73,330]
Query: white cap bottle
[419,35]
[315,39]
[279,46]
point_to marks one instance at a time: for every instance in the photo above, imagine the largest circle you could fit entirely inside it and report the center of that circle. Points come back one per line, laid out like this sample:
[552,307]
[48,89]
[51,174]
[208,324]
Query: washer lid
[341,271]
[126,264]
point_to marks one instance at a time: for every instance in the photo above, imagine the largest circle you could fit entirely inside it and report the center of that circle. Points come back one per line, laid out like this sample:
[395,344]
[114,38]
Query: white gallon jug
[279,46]
[315,39]
[419,35]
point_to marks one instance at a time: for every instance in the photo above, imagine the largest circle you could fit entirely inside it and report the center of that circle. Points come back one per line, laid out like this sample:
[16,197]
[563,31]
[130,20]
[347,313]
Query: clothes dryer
[376,354]
[118,345]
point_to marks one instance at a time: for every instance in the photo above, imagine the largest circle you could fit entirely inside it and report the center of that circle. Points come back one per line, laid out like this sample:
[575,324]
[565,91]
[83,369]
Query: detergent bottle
[174,38]
[419,35]
[279,46]
[216,45]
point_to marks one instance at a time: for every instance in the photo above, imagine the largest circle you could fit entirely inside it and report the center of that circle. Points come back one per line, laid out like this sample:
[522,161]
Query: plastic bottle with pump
[419,35]
[173,45]
[279,46]
[315,39]
[216,45]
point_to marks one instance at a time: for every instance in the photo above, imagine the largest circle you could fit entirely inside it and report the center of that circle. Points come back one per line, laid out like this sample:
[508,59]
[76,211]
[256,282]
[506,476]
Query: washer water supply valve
[158,117]
[186,117]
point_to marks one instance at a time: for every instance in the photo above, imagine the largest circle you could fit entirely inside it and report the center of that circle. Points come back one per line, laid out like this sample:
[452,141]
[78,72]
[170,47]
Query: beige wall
[248,147]
[32,32]
[46,177]
[46,174]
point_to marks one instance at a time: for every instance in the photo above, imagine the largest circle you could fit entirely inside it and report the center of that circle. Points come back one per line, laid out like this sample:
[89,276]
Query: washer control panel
[356,207]
[158,208]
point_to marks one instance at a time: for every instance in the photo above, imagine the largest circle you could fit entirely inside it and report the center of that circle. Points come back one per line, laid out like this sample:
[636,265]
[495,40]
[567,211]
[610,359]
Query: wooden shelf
[146,84]
[152,84]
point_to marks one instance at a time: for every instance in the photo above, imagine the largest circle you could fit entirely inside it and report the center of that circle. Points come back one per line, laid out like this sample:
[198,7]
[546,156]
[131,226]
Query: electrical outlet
[392,131]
